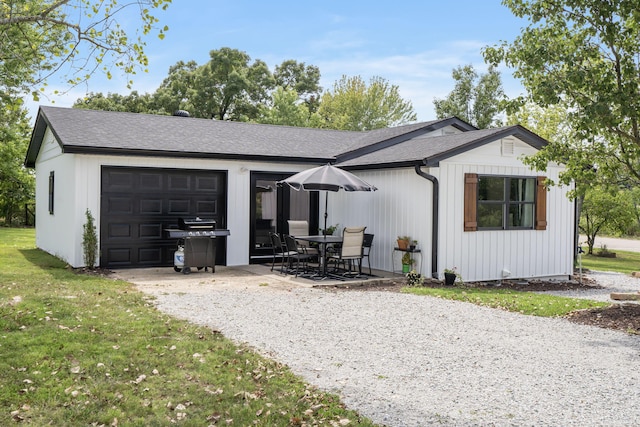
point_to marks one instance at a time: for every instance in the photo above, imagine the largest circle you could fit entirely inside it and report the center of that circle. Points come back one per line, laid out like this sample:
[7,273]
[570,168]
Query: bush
[89,241]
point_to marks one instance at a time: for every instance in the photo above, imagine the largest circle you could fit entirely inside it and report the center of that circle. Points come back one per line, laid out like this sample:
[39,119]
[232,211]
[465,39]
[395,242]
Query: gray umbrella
[327,178]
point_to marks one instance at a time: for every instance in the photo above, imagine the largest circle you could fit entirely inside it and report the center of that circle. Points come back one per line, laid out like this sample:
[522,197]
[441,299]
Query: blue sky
[412,44]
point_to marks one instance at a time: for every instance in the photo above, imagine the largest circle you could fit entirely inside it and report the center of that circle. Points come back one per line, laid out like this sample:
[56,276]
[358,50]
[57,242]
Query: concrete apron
[158,280]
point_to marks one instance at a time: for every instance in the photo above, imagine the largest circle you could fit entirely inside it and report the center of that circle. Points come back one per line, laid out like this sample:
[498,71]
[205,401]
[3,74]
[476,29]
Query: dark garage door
[137,204]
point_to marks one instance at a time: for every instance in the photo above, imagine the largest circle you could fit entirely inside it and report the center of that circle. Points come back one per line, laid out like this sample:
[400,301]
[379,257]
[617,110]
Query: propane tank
[178,257]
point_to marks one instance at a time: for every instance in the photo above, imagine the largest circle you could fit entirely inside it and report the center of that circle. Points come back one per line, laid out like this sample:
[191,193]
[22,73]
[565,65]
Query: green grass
[529,303]
[624,262]
[77,349]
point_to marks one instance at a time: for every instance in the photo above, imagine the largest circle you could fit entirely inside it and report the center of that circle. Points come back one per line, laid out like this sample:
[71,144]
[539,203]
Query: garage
[137,204]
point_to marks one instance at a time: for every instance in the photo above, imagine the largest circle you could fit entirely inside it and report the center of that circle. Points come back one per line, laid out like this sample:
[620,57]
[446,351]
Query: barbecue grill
[196,244]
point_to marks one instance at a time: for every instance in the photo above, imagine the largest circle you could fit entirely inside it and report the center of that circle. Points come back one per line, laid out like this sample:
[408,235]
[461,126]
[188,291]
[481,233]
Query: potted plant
[450,276]
[330,230]
[403,242]
[412,246]
[407,262]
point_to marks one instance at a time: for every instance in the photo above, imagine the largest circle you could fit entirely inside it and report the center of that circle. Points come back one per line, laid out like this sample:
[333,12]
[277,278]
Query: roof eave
[75,149]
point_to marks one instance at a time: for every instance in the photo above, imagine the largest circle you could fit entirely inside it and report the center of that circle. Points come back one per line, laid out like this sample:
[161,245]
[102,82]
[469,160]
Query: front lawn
[624,262]
[78,349]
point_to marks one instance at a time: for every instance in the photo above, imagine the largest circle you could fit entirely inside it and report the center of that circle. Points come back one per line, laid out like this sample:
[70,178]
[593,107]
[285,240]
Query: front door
[271,206]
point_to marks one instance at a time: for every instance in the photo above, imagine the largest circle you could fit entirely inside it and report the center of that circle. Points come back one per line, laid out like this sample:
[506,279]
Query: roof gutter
[434,223]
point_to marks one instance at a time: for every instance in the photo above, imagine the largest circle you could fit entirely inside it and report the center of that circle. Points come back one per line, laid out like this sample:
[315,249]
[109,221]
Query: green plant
[89,241]
[414,278]
[454,271]
[330,230]
[407,259]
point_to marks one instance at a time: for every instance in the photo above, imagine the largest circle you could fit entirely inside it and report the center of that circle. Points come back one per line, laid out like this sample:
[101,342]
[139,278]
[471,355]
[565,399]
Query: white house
[463,193]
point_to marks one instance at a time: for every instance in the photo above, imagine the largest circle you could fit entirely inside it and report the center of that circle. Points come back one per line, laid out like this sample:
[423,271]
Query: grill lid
[196,224]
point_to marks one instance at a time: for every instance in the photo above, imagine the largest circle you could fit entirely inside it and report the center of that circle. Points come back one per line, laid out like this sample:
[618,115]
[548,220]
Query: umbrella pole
[326,202]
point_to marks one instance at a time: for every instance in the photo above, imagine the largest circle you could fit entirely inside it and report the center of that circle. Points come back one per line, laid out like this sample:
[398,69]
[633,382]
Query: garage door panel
[119,205]
[151,206]
[179,183]
[138,204]
[150,182]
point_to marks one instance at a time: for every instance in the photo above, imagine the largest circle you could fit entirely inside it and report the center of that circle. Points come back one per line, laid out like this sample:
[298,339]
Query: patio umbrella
[327,178]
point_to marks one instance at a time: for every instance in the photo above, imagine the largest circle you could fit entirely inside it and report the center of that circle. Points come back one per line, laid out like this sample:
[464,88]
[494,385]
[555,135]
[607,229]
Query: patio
[165,279]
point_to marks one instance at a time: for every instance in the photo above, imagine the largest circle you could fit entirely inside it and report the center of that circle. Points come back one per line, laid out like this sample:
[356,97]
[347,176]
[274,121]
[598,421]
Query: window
[504,203]
[51,188]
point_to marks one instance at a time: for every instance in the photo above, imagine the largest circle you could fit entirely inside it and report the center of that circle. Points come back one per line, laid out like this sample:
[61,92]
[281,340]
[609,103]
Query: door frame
[257,255]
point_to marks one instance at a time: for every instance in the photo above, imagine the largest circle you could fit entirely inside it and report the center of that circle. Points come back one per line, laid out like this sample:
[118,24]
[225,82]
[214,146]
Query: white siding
[78,188]
[483,255]
[401,206]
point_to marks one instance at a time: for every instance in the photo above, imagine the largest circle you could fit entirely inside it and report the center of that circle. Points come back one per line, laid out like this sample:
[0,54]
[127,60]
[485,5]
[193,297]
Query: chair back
[352,239]
[367,241]
[276,242]
[298,228]
[290,242]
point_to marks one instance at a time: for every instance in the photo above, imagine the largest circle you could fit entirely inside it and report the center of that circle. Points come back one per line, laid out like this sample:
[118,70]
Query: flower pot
[402,244]
[449,279]
[406,268]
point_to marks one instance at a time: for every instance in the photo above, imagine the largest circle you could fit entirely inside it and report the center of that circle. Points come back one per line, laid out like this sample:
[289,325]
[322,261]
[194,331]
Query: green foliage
[133,103]
[476,99]
[17,183]
[605,209]
[303,79]
[89,241]
[352,105]
[414,278]
[41,37]
[286,109]
[583,56]
[80,349]
[529,303]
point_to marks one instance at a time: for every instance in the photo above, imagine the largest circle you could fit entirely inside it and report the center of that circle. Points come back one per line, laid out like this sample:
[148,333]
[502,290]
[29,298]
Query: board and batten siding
[401,206]
[80,181]
[490,254]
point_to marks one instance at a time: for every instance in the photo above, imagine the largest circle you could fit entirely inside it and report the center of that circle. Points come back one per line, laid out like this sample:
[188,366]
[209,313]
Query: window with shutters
[504,203]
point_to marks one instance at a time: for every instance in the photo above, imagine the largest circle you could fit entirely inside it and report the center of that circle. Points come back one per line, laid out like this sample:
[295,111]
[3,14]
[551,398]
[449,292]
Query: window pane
[490,215]
[522,189]
[521,215]
[491,188]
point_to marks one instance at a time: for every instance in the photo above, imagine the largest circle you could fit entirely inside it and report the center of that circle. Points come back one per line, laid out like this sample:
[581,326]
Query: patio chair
[301,228]
[366,250]
[351,249]
[297,254]
[279,251]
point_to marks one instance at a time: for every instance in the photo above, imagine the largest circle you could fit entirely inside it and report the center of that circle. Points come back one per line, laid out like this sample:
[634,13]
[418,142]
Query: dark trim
[75,149]
[434,222]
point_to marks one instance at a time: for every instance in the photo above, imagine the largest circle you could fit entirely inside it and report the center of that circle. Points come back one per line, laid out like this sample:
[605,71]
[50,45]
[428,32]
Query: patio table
[322,241]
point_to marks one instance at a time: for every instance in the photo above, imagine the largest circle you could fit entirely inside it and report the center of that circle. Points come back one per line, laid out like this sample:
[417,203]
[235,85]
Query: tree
[134,102]
[304,79]
[585,56]
[352,105]
[287,109]
[229,88]
[17,184]
[596,216]
[475,98]
[40,37]
[176,90]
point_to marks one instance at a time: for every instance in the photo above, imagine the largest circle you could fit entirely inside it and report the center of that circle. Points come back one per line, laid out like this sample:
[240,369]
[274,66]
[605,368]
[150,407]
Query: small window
[506,202]
[51,190]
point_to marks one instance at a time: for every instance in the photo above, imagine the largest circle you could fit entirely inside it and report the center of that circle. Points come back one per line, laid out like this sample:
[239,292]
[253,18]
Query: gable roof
[430,150]
[118,133]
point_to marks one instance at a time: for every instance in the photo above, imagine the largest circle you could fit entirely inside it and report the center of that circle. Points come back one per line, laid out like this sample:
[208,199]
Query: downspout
[434,223]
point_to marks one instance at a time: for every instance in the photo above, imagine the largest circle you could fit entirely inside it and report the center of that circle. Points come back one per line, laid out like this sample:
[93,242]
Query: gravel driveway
[405,360]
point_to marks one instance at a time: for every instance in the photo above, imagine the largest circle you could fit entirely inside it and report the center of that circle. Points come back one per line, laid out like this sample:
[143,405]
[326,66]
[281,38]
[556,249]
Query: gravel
[405,360]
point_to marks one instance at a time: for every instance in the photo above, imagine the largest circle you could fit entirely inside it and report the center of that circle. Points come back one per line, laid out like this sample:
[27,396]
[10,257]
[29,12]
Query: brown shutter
[541,204]
[470,201]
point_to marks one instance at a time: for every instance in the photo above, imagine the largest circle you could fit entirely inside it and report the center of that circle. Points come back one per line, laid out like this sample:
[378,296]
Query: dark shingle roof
[107,132]
[432,149]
